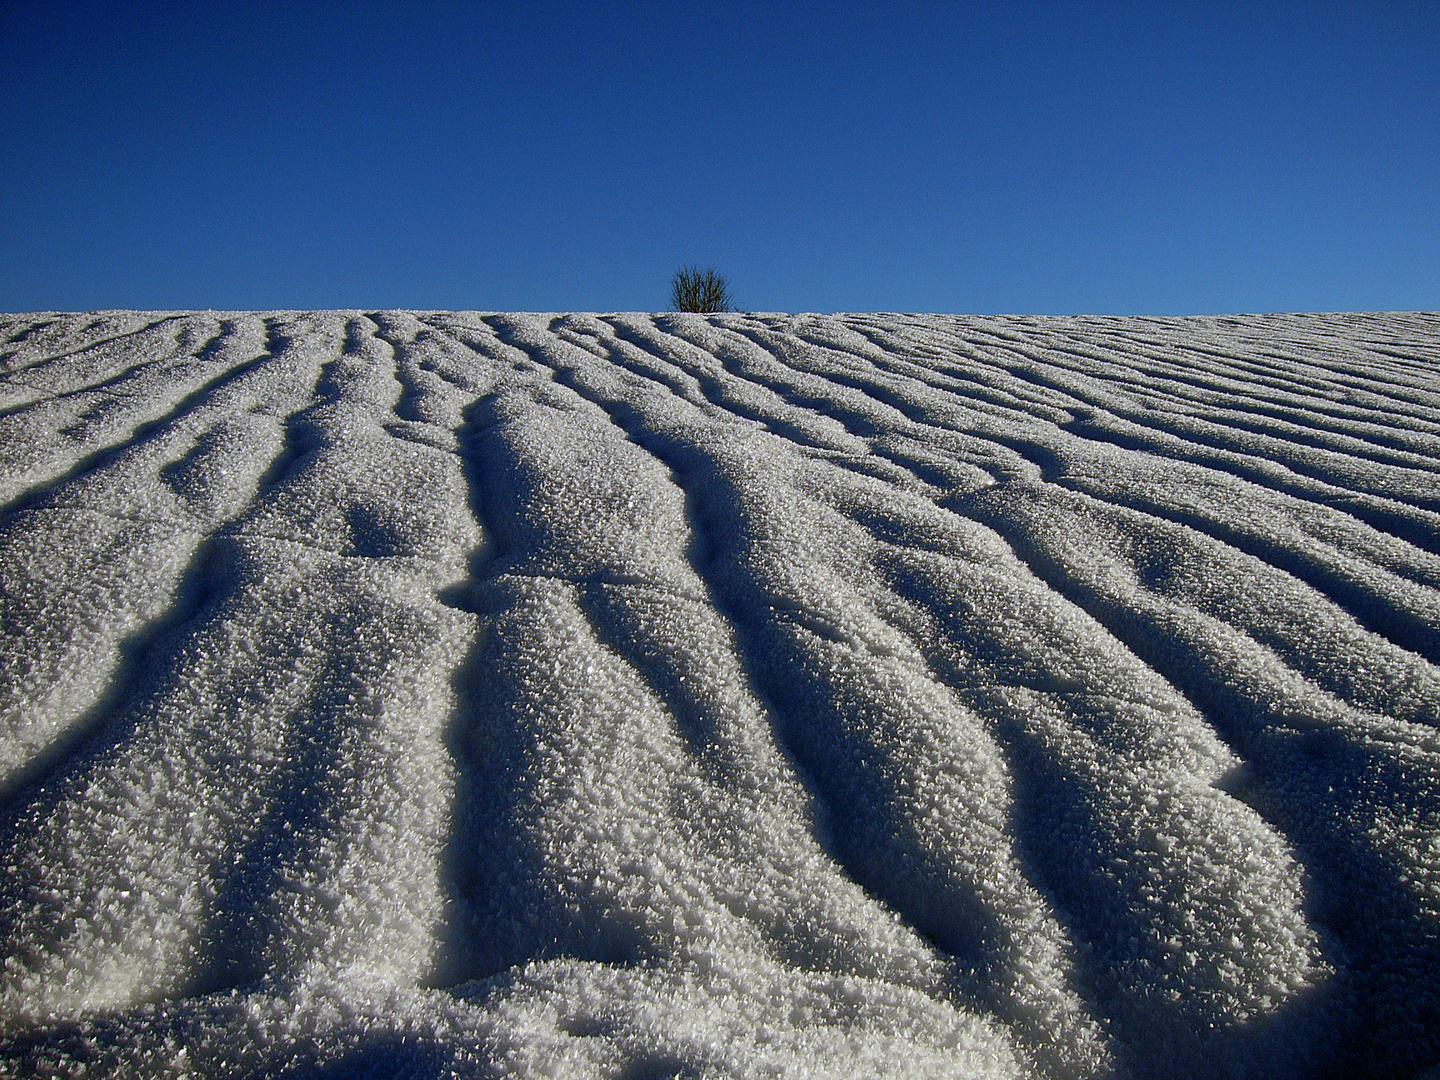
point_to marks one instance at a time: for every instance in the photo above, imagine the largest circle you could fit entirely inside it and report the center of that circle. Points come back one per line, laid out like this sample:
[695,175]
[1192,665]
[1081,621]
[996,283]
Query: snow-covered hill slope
[417,694]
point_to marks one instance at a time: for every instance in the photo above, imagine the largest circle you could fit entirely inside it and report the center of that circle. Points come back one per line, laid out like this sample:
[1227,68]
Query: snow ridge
[433,694]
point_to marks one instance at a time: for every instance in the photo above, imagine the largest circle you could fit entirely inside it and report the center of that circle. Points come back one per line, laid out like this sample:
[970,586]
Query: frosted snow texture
[423,694]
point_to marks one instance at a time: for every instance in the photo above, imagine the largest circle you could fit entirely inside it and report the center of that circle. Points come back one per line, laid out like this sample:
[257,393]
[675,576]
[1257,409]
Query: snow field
[444,694]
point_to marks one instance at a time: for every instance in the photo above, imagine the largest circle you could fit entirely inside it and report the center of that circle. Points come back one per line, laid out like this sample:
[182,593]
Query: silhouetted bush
[699,290]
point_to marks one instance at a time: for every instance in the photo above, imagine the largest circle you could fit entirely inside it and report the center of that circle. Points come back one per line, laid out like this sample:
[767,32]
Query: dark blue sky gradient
[1162,158]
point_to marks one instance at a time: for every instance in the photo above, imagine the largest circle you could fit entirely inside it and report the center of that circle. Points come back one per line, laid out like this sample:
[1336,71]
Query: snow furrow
[65,437]
[603,874]
[886,758]
[95,571]
[50,347]
[1328,777]
[1331,469]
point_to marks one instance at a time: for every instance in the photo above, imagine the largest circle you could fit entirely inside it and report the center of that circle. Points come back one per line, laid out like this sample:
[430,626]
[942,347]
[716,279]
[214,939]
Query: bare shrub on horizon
[699,290]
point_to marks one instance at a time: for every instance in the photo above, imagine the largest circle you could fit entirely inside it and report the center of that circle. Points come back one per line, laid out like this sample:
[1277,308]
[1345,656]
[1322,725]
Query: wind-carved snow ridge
[430,694]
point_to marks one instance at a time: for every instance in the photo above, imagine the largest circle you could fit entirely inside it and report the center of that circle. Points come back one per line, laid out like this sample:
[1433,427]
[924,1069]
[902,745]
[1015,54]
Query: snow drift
[423,694]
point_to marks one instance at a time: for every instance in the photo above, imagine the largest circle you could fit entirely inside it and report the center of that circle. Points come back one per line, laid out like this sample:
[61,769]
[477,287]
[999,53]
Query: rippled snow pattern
[422,694]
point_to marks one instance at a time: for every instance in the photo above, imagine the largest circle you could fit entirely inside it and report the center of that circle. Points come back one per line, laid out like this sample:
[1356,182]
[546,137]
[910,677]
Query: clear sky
[1065,157]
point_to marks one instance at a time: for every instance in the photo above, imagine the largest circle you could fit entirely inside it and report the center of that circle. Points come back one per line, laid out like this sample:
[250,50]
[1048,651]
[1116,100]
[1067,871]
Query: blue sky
[1162,158]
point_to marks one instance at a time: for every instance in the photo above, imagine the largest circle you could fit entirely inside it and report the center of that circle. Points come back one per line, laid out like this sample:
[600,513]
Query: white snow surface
[424,694]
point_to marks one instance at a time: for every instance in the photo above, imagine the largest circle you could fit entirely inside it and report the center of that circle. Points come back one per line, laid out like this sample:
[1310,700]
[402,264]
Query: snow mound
[432,694]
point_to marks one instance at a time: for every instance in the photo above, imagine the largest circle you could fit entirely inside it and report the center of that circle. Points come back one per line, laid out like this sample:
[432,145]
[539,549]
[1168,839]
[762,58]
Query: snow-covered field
[422,694]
